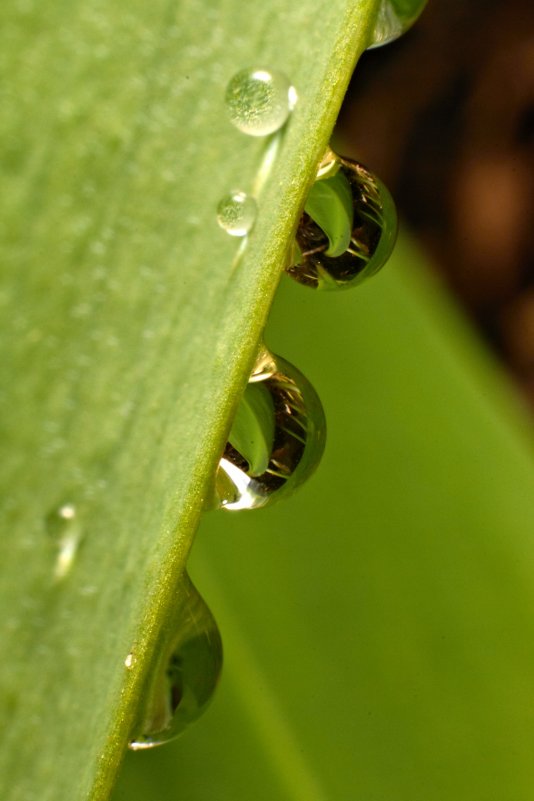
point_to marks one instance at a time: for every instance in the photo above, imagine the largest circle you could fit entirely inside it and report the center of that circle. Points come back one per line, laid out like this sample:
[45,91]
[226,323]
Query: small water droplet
[276,440]
[347,230]
[259,101]
[394,18]
[185,675]
[63,525]
[236,213]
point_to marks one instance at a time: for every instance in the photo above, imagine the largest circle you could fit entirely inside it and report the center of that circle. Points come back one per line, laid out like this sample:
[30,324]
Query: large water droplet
[236,213]
[347,230]
[65,529]
[394,18]
[185,673]
[277,438]
[259,101]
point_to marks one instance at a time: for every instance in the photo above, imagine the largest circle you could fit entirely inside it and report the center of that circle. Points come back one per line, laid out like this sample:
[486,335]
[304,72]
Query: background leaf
[378,626]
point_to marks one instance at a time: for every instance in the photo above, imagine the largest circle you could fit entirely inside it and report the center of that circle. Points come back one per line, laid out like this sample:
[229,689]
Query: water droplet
[276,440]
[236,213]
[64,527]
[259,101]
[394,18]
[185,674]
[347,230]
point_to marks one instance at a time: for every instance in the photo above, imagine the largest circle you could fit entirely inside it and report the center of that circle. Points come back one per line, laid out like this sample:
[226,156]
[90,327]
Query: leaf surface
[129,325]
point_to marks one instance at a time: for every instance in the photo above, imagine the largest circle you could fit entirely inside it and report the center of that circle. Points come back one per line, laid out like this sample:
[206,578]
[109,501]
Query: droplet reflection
[185,673]
[347,230]
[277,438]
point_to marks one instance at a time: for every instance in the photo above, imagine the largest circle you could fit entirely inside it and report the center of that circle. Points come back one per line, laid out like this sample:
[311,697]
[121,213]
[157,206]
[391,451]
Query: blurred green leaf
[379,626]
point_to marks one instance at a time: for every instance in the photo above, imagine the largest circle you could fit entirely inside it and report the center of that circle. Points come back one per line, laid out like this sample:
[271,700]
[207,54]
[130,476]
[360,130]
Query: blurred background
[379,625]
[445,115]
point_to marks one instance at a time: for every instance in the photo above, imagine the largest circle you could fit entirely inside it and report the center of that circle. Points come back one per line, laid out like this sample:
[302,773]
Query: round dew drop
[259,101]
[276,441]
[347,230]
[236,213]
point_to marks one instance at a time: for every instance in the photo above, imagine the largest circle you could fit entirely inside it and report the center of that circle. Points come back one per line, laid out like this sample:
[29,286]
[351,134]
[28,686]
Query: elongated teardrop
[347,230]
[185,673]
[66,531]
[276,441]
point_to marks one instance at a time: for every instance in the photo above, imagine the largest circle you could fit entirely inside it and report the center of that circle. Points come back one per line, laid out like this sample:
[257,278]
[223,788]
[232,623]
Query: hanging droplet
[185,673]
[394,18]
[236,213]
[277,438]
[259,101]
[348,227]
[64,527]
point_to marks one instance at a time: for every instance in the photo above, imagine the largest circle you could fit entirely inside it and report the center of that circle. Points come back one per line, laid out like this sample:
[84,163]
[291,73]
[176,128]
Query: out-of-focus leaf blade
[379,626]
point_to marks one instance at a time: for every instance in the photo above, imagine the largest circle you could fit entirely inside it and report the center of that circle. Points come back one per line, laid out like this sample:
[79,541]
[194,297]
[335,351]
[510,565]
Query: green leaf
[252,431]
[329,204]
[130,322]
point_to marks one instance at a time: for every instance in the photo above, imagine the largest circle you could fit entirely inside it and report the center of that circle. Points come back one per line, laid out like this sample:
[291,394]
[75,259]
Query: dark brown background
[445,116]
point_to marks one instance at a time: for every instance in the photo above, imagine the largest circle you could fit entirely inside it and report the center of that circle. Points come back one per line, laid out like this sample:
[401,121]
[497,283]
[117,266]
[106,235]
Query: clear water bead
[277,438]
[347,230]
[236,213]
[185,674]
[259,101]
[64,528]
[394,18]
